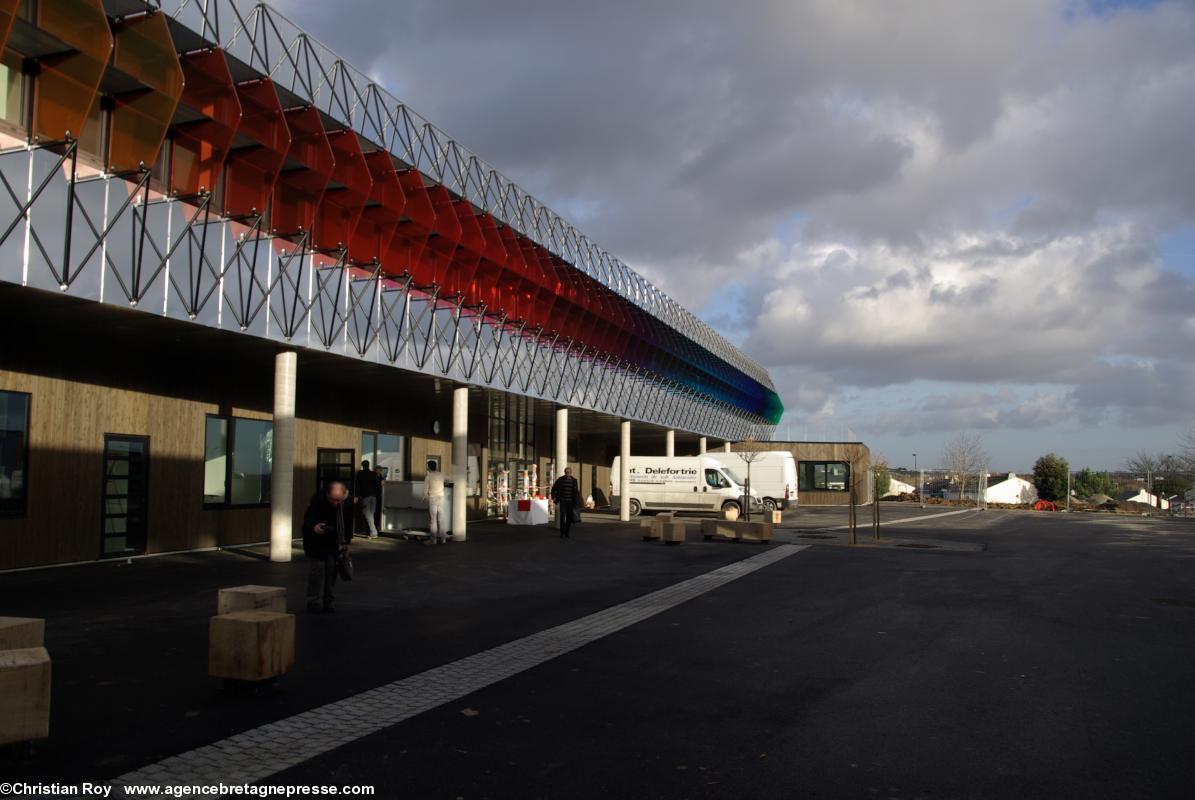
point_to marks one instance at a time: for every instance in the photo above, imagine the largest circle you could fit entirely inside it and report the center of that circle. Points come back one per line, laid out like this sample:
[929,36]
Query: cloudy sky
[922,217]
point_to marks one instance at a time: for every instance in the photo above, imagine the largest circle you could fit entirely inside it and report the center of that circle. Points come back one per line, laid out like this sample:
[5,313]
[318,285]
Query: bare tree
[1187,451]
[964,456]
[749,457]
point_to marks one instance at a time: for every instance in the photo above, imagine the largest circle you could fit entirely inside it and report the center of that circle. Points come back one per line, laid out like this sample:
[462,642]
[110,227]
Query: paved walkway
[259,753]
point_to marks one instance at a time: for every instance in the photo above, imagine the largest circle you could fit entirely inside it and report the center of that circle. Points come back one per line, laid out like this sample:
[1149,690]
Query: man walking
[433,493]
[368,489]
[325,535]
[565,492]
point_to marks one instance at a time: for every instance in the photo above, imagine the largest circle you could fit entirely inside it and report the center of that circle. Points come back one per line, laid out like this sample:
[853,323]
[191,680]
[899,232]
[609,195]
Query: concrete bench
[672,532]
[736,531]
[17,633]
[251,645]
[24,694]
[251,598]
[651,526]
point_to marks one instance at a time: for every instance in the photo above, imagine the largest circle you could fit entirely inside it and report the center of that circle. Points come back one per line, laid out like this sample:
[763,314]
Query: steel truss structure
[206,160]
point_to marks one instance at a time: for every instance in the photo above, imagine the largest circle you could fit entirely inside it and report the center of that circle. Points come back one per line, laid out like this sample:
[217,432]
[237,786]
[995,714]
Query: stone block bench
[251,598]
[653,527]
[672,532]
[251,646]
[24,694]
[736,530]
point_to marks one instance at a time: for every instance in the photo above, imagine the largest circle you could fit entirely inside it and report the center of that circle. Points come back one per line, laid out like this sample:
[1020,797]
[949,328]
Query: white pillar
[561,441]
[701,445]
[460,459]
[282,454]
[726,447]
[624,471]
[670,443]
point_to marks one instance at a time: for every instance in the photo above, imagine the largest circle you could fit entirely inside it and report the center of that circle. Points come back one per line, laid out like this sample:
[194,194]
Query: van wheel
[769,505]
[635,507]
[732,504]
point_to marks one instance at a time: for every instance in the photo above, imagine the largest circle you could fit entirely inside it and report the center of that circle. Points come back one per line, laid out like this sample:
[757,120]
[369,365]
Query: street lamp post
[920,483]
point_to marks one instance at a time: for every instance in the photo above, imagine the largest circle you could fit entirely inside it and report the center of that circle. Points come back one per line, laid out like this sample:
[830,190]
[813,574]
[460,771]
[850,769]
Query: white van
[773,476]
[695,483]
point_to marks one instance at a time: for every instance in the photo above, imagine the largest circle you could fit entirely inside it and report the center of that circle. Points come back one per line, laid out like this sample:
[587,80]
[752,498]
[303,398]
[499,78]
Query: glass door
[334,465]
[124,509]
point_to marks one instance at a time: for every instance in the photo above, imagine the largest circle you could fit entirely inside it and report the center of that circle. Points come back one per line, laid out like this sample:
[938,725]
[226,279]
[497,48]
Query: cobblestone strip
[258,753]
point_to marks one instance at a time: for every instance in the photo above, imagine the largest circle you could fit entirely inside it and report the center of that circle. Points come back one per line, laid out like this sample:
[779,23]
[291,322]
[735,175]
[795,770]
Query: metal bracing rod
[362,344]
[245,297]
[100,236]
[478,323]
[459,300]
[433,300]
[292,320]
[329,328]
[23,212]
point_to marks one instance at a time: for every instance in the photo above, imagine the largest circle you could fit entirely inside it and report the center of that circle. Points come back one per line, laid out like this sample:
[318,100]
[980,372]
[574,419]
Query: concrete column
[282,465]
[726,447]
[460,459]
[670,443]
[561,441]
[624,471]
[701,445]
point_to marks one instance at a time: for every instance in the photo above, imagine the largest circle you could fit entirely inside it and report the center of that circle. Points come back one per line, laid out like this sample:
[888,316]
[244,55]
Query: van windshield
[730,474]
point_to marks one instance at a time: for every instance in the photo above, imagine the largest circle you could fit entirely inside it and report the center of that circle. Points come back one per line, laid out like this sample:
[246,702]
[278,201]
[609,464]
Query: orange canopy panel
[305,175]
[145,52]
[8,15]
[379,220]
[258,152]
[68,82]
[345,199]
[201,147]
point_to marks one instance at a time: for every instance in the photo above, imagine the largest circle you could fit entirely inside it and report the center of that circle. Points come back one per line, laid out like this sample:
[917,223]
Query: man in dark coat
[368,489]
[326,531]
[565,492]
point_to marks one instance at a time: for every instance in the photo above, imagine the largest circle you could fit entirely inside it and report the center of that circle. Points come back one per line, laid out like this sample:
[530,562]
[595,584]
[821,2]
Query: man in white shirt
[433,493]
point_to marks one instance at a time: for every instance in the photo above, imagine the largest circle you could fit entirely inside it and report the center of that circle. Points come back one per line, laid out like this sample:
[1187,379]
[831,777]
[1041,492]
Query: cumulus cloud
[864,195]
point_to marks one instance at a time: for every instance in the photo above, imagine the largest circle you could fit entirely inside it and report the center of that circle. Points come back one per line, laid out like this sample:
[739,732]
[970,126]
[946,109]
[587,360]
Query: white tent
[897,488]
[1143,496]
[1014,491]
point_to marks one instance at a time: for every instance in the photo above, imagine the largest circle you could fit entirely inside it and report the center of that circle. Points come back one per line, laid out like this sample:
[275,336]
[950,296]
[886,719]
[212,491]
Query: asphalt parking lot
[1054,662]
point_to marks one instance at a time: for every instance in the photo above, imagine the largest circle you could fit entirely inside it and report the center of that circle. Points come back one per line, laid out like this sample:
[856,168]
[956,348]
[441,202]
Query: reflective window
[14,452]
[237,461]
[384,450]
[829,476]
[716,479]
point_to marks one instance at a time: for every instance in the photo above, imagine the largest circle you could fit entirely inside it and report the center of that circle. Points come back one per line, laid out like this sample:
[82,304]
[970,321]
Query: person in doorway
[433,493]
[380,475]
[325,534]
[368,490]
[565,492]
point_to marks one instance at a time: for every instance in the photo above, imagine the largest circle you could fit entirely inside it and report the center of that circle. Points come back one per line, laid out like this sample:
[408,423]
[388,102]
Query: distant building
[1013,490]
[1144,497]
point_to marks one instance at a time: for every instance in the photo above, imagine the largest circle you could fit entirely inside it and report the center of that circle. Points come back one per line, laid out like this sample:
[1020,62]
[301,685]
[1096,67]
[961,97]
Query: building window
[824,476]
[14,452]
[237,461]
[384,450]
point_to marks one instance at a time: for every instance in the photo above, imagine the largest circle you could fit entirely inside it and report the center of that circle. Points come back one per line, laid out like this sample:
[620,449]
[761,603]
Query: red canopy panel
[8,15]
[304,176]
[345,199]
[140,118]
[259,150]
[379,219]
[201,147]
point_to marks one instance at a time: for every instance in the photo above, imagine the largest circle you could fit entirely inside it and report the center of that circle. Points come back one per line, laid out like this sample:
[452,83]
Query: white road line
[866,523]
[258,753]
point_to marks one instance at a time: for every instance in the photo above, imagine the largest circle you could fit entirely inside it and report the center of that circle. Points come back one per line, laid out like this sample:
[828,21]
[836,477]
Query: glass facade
[512,470]
[237,461]
[14,452]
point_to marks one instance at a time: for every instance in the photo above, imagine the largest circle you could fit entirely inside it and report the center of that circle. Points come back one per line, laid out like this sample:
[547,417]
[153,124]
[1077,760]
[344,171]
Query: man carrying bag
[565,492]
[326,536]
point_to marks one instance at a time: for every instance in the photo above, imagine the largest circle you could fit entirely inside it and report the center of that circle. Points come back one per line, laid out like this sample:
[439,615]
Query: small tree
[749,457]
[963,456]
[1049,475]
[883,476]
[1087,483]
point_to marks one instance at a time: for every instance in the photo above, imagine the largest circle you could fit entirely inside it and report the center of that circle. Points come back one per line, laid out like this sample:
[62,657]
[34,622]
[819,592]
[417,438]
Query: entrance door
[124,509]
[334,465]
